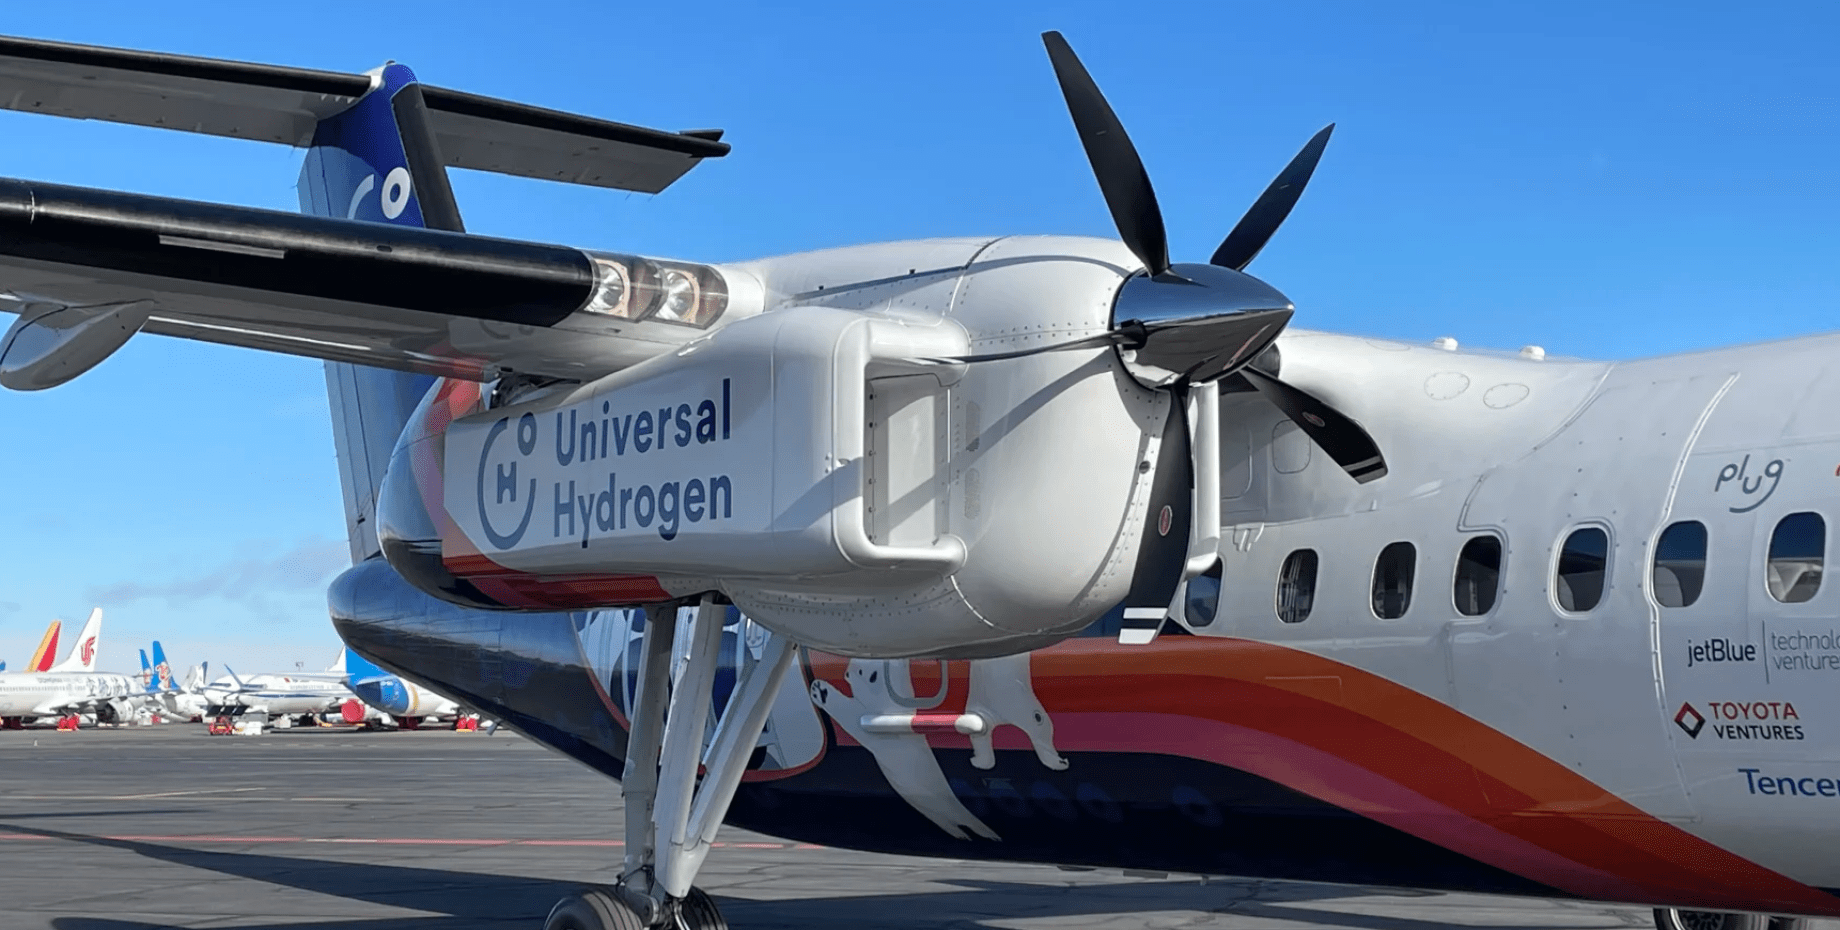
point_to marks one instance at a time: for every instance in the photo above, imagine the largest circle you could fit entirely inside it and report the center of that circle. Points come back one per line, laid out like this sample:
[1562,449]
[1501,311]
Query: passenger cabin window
[1583,559]
[1797,550]
[1203,599]
[1297,586]
[1478,576]
[1680,564]
[1393,580]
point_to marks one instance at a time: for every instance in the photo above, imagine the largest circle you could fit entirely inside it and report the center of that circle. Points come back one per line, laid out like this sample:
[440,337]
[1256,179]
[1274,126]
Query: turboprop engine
[955,448]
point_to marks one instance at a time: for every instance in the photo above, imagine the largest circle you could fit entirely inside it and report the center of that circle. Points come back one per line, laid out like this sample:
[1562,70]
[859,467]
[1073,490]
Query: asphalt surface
[331,829]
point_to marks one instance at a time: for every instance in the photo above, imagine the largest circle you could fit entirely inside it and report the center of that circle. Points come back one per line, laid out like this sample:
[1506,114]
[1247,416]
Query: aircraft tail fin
[146,671]
[235,682]
[338,663]
[82,656]
[195,679]
[46,653]
[358,668]
[378,161]
[162,671]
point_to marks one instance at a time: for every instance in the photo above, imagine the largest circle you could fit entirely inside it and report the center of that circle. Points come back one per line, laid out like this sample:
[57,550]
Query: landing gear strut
[671,817]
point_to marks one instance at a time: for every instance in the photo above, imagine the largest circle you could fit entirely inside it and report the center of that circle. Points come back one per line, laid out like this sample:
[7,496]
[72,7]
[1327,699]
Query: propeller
[1190,323]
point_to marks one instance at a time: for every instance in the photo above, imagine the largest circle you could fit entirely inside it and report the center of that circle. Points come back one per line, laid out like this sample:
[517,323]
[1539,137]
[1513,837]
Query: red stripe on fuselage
[1361,742]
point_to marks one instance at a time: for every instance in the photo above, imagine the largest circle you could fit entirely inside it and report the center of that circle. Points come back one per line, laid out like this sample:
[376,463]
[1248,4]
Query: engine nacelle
[825,464]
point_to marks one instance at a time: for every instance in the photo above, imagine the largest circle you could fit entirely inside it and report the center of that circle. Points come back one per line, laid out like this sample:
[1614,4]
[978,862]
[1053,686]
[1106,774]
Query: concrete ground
[333,829]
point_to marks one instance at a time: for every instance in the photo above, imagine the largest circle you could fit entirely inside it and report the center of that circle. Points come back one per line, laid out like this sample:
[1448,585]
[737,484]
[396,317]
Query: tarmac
[341,830]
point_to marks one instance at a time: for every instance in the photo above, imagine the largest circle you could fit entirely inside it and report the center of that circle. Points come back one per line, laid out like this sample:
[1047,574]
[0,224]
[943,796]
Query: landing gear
[671,815]
[605,909]
[593,909]
[1672,918]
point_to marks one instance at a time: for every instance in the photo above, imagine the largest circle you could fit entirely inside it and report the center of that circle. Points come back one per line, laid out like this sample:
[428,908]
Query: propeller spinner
[1181,324]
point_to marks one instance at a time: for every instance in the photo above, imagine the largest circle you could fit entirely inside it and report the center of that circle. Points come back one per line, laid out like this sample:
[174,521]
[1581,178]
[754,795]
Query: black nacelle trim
[365,263]
[306,80]
[441,99]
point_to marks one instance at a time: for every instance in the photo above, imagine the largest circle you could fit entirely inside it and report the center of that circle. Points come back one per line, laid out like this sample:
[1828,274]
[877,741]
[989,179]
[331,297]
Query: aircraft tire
[592,909]
[1673,918]
[698,911]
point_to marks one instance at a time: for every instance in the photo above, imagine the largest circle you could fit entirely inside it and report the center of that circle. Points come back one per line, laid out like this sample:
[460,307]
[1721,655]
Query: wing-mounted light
[628,287]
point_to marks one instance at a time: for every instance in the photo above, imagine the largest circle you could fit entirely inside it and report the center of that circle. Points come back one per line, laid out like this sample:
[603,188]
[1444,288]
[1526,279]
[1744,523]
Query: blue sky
[1606,180]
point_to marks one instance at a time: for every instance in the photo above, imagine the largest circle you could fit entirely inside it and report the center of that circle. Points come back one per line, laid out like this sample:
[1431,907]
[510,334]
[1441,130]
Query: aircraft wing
[428,301]
[273,103]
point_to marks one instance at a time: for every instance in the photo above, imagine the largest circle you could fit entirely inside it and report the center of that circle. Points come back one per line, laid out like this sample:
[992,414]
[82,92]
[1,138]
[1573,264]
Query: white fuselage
[280,694]
[1700,686]
[39,694]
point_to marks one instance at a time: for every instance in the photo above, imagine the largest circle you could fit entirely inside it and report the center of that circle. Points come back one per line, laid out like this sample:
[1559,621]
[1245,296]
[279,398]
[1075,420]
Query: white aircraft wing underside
[411,299]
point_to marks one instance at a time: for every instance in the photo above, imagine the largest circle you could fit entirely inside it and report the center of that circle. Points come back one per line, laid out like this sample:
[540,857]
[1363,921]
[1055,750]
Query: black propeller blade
[1342,438]
[1249,236]
[1114,159]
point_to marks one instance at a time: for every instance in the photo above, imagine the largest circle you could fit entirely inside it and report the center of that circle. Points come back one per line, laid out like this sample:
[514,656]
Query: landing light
[632,288]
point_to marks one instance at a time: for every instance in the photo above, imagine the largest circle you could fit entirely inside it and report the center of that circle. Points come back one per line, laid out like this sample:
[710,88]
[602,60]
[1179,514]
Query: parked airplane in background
[1310,606]
[406,704]
[72,687]
[186,701]
[294,694]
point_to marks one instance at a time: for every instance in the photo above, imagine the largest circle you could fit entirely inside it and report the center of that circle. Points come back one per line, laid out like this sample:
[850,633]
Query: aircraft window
[1583,559]
[1203,600]
[1393,580]
[1478,576]
[1797,550]
[1680,564]
[1297,586]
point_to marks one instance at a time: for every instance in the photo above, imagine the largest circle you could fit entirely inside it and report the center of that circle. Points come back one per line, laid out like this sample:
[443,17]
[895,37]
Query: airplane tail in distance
[358,668]
[196,678]
[162,672]
[338,664]
[82,656]
[47,648]
[376,161]
[146,672]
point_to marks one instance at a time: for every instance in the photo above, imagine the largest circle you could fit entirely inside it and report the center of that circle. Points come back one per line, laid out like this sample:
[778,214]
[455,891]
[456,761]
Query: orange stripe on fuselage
[1537,817]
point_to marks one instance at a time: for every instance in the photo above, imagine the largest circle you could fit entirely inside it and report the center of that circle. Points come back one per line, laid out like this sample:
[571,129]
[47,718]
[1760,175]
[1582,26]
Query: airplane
[406,704]
[279,695]
[72,687]
[187,700]
[1040,548]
